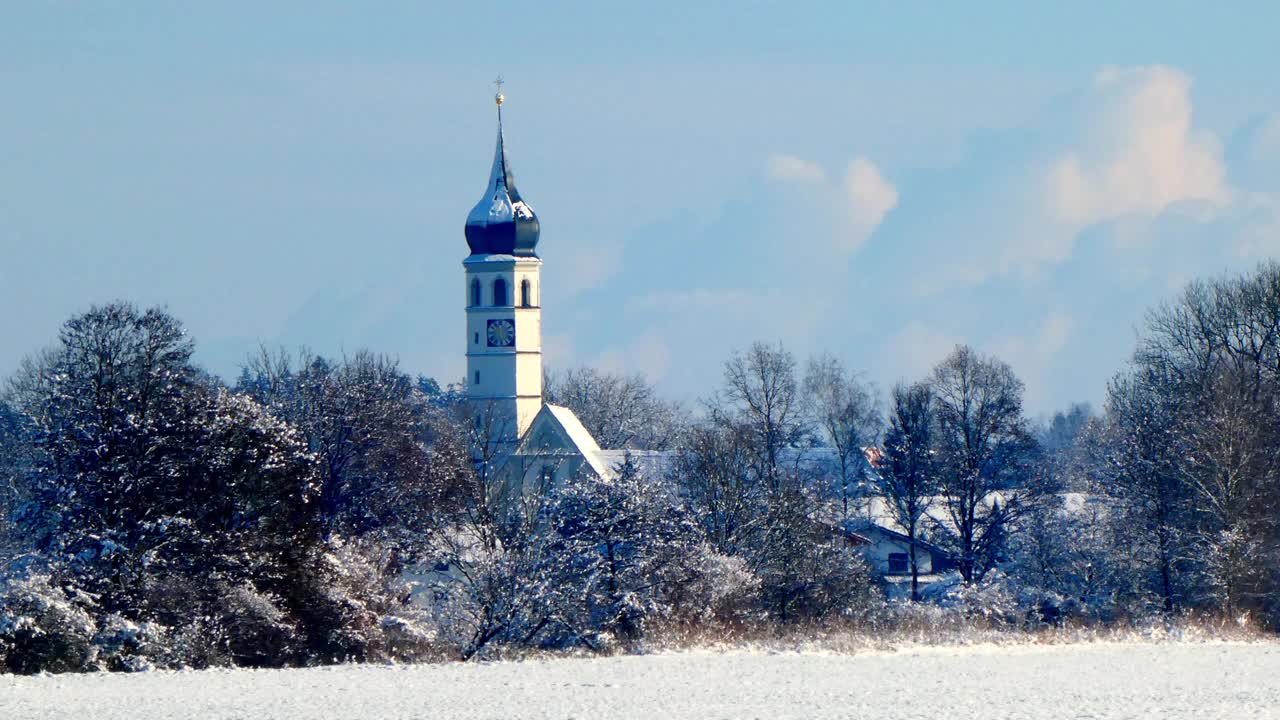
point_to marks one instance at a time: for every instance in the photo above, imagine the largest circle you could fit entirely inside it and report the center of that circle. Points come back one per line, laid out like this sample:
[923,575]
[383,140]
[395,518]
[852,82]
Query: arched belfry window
[499,292]
[475,293]
[526,298]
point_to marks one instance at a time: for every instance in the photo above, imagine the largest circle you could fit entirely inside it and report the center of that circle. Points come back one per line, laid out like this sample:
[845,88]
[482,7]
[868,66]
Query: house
[889,551]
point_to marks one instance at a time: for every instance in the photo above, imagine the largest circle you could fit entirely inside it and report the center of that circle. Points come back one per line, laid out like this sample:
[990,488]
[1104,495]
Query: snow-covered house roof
[876,510]
[654,464]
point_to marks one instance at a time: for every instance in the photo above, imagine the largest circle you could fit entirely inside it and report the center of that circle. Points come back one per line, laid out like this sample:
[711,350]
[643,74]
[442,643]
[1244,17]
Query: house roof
[864,529]
[653,464]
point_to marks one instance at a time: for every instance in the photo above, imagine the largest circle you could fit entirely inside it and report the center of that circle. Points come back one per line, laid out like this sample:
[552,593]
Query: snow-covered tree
[15,452]
[156,499]
[1060,433]
[714,471]
[1197,413]
[741,474]
[808,567]
[623,545]
[372,430]
[487,581]
[908,477]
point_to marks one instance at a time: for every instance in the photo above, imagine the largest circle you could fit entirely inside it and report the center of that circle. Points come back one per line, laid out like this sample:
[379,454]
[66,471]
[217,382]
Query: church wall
[528,329]
[509,376]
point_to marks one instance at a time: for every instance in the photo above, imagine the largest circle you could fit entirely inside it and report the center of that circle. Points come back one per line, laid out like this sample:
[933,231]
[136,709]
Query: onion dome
[502,223]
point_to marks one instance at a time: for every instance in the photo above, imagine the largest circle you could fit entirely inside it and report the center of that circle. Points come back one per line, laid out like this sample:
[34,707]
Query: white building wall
[883,544]
[504,379]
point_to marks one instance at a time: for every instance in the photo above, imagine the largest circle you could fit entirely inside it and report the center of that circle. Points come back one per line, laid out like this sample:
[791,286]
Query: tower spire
[504,326]
[502,223]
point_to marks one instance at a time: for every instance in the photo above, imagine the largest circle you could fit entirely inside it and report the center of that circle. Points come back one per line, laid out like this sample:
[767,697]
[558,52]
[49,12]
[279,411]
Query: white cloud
[1125,152]
[1139,153]
[853,207]
[791,169]
[1120,162]
[870,197]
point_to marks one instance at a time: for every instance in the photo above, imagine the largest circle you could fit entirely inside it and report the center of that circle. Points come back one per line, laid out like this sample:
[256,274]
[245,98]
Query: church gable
[557,433]
[555,448]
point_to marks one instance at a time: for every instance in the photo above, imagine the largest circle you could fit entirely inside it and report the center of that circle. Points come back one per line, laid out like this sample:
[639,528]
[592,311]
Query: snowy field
[1166,681]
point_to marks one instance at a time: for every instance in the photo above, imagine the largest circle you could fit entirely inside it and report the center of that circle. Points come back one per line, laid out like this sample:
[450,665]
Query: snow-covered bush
[355,606]
[482,591]
[200,642]
[255,628]
[596,566]
[124,645]
[991,599]
[45,629]
[721,589]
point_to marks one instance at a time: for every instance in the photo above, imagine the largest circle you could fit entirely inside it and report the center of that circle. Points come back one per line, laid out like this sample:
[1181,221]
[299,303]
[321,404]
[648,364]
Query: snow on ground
[1167,681]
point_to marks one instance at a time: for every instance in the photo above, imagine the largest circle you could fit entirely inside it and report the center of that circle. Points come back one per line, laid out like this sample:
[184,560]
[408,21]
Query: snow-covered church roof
[580,437]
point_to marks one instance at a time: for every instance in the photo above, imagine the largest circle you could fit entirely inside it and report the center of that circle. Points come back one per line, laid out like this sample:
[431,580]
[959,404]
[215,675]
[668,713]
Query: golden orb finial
[499,98]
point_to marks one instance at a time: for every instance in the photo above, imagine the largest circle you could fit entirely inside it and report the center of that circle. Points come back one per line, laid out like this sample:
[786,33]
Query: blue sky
[877,181]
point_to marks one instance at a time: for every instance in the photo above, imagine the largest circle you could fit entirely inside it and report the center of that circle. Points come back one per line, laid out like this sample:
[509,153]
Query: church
[535,445]
[530,447]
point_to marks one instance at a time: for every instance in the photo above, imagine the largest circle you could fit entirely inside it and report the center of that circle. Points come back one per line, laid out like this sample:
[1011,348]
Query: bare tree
[620,411]
[757,502]
[847,413]
[714,471]
[760,385]
[982,444]
[1230,470]
[907,478]
[373,431]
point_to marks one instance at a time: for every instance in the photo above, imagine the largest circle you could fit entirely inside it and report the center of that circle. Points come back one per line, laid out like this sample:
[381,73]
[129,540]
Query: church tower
[503,301]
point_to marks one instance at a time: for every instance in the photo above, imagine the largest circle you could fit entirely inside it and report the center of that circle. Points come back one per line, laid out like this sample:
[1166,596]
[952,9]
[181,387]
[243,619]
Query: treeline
[155,517]
[1165,504]
[322,510]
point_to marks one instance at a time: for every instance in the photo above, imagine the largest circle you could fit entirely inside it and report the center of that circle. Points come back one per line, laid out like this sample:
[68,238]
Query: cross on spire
[498,97]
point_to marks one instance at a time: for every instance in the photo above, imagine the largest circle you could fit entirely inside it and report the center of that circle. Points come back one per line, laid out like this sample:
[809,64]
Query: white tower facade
[504,341]
[504,307]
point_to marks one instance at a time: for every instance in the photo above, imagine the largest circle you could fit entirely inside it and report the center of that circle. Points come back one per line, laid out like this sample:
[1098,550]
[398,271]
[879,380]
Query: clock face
[501,333]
